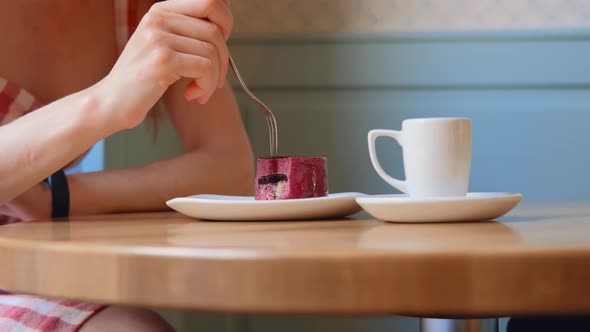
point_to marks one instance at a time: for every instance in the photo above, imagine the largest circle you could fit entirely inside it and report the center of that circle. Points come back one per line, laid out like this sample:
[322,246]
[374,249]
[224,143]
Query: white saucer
[218,207]
[472,207]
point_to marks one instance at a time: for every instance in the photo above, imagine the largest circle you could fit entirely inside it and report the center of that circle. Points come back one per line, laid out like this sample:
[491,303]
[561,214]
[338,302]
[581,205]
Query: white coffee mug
[436,156]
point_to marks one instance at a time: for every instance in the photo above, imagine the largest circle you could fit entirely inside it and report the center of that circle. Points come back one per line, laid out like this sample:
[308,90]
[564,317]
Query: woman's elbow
[240,172]
[245,174]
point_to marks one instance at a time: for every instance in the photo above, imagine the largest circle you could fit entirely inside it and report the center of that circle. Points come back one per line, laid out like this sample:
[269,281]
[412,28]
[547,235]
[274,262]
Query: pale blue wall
[528,94]
[92,162]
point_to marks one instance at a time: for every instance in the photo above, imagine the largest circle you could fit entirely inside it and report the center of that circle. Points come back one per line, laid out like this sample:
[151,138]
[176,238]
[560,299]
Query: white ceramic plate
[219,207]
[472,207]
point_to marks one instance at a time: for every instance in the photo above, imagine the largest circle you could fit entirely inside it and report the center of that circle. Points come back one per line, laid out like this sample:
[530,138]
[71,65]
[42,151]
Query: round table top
[535,260]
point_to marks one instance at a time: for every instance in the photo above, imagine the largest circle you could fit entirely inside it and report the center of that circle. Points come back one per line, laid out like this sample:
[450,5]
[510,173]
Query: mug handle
[396,135]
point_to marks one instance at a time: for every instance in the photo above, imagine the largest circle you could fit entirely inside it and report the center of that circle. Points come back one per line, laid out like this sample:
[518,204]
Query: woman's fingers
[182,38]
[201,70]
[203,49]
[215,11]
[204,31]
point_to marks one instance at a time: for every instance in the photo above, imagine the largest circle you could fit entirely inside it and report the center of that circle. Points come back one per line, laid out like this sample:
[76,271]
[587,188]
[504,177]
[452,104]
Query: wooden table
[535,261]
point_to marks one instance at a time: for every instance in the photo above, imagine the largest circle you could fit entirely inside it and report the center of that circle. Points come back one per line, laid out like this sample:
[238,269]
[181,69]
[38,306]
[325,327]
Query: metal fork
[271,122]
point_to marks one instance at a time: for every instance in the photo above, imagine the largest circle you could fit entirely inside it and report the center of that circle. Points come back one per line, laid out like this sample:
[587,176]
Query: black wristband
[60,194]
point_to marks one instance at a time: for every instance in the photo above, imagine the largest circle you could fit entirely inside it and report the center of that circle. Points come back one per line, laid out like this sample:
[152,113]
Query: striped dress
[24,313]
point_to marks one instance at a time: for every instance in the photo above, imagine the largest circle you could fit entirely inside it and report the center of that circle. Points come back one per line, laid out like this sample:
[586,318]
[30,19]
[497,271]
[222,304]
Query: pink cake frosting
[291,178]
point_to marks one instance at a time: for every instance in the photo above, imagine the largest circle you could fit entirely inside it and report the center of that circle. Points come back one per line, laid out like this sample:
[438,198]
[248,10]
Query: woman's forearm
[42,142]
[219,160]
[208,170]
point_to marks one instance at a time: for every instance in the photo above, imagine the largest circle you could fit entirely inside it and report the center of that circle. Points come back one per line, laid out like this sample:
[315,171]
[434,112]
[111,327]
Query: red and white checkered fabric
[24,313]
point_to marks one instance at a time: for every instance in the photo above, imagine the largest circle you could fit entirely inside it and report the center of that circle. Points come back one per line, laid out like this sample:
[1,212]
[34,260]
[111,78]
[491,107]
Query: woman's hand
[175,39]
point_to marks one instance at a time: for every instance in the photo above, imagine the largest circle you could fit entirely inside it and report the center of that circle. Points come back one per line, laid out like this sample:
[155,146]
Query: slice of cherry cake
[291,178]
